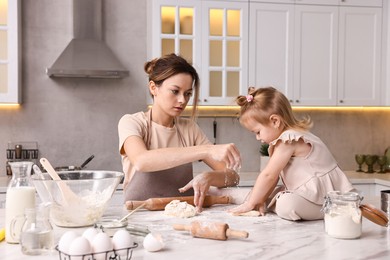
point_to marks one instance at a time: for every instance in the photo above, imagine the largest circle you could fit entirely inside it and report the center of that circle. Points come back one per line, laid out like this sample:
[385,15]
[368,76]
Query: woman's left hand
[201,185]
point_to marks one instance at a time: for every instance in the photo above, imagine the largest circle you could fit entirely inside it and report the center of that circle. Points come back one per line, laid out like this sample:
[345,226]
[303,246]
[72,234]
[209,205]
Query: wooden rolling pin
[216,230]
[160,203]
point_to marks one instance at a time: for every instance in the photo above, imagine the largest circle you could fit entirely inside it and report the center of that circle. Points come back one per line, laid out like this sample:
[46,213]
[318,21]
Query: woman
[158,147]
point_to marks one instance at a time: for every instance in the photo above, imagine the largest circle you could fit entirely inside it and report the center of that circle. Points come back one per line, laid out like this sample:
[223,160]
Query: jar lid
[375,215]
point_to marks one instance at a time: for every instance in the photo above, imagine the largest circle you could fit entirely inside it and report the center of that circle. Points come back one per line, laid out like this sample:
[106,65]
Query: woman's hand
[201,185]
[227,153]
[247,206]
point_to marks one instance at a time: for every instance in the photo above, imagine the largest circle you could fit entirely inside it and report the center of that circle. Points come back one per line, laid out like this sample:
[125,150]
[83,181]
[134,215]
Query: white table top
[269,238]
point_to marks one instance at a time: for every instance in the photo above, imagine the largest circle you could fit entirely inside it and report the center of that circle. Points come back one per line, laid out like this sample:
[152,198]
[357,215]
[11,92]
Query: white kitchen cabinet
[317,52]
[2,199]
[294,48]
[212,35]
[271,31]
[10,51]
[370,190]
[317,55]
[359,65]
[371,3]
[224,52]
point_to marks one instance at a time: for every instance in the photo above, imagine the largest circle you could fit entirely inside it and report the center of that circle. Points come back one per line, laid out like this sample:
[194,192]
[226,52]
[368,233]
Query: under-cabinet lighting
[9,106]
[233,111]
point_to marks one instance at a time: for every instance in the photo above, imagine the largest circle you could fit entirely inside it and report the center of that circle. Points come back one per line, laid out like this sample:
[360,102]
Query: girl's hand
[245,207]
[201,185]
[227,153]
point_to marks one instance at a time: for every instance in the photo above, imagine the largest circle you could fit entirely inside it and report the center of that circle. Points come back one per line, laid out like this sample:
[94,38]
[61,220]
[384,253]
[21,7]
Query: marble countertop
[269,238]
[247,179]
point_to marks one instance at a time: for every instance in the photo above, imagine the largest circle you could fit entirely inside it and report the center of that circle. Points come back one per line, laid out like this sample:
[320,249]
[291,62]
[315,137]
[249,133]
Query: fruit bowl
[79,198]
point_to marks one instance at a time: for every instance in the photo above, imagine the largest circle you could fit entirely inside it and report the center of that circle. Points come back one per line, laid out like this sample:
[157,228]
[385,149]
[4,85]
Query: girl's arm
[268,178]
[164,158]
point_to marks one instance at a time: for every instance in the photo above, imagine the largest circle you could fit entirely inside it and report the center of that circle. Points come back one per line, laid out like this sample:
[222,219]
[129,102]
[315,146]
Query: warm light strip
[232,111]
[9,106]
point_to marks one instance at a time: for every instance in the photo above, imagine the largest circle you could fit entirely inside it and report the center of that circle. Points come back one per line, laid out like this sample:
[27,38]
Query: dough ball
[175,208]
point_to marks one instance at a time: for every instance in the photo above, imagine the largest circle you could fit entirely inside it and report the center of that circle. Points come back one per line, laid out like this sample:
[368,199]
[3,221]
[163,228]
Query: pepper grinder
[18,151]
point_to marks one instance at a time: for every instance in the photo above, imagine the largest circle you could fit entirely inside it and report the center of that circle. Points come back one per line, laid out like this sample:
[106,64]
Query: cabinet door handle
[205,100]
[341,101]
[297,101]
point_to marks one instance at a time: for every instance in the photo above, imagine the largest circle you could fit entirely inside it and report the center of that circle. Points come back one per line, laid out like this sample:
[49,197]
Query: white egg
[122,240]
[90,233]
[65,241]
[79,246]
[102,243]
[153,242]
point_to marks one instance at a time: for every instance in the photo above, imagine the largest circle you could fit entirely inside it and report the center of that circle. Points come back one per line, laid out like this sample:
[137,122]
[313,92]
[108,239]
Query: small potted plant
[264,156]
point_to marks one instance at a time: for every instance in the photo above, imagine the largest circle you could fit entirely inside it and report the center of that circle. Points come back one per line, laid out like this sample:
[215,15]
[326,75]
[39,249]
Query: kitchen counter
[269,238]
[248,178]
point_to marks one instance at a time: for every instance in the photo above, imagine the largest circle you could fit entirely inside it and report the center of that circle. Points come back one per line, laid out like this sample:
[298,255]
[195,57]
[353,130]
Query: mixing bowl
[79,198]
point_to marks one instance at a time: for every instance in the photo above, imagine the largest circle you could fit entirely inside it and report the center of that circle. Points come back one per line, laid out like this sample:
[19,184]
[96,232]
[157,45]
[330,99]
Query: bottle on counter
[342,215]
[37,236]
[20,195]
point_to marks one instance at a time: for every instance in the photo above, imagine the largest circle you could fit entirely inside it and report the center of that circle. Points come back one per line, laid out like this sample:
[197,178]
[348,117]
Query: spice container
[342,215]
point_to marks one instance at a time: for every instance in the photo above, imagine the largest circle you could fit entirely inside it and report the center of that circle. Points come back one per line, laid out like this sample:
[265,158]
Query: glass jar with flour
[342,215]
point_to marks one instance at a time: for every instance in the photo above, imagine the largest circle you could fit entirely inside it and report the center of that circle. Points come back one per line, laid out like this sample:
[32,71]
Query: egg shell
[65,241]
[80,246]
[90,233]
[153,242]
[122,239]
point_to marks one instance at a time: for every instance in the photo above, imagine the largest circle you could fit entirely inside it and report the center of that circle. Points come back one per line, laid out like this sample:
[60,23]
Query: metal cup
[385,201]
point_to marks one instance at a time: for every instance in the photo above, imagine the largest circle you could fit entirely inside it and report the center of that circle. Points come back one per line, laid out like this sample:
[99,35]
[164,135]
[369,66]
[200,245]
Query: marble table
[269,238]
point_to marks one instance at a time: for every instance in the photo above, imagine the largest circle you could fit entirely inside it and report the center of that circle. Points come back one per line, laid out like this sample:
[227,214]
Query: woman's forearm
[165,158]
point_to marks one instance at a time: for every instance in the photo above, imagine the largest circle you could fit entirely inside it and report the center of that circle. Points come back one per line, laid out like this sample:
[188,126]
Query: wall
[74,118]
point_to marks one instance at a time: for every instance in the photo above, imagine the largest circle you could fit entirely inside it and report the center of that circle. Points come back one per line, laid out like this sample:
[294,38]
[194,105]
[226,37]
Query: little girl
[305,165]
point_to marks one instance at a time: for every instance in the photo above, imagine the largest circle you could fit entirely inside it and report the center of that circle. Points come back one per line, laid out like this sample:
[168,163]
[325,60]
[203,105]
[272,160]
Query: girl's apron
[164,183]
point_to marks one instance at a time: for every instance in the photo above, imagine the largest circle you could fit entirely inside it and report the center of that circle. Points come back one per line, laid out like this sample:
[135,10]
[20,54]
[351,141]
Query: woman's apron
[157,184]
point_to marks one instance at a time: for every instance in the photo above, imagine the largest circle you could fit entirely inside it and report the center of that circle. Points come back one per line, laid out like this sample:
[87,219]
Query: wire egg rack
[120,254]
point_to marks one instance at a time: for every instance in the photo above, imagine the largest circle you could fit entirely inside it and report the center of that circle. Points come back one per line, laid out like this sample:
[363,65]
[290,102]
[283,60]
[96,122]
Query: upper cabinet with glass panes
[212,36]
[10,54]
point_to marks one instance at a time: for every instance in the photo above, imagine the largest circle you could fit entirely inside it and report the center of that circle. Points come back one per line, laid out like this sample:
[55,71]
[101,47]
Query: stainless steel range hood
[87,55]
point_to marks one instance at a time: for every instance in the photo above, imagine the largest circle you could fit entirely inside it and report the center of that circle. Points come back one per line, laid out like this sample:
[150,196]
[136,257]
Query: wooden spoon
[132,212]
[67,194]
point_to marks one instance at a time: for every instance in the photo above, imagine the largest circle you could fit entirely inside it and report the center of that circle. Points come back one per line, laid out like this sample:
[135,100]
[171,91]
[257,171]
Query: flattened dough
[175,208]
[252,213]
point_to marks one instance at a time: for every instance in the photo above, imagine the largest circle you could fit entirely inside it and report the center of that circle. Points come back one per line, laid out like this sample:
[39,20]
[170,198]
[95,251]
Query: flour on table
[252,213]
[175,208]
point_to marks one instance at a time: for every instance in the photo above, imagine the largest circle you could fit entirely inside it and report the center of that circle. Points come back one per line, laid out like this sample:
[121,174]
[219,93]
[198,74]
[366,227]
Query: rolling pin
[160,203]
[216,230]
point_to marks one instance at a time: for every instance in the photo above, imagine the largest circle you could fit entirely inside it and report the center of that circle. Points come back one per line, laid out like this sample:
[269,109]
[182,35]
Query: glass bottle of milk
[20,195]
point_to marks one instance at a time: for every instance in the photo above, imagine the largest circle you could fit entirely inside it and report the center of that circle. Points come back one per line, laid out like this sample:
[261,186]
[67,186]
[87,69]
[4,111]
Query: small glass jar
[37,235]
[342,215]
